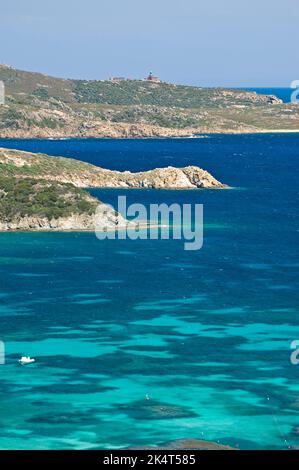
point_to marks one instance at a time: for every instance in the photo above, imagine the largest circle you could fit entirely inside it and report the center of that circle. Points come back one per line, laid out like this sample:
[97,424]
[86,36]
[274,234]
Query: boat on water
[26,360]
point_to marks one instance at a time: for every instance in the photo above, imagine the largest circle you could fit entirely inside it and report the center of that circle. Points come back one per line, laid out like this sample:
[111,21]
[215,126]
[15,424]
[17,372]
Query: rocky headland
[41,106]
[84,175]
[40,192]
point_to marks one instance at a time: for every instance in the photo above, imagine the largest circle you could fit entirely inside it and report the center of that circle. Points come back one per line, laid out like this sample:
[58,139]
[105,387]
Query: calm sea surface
[206,334]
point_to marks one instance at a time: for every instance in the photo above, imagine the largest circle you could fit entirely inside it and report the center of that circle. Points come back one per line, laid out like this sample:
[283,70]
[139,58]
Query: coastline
[279,131]
[47,193]
[188,135]
[129,226]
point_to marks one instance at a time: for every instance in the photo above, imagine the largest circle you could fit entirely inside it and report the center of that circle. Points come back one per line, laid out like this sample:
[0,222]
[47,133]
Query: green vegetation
[27,197]
[40,106]
[10,118]
[41,93]
[40,166]
[135,92]
[23,85]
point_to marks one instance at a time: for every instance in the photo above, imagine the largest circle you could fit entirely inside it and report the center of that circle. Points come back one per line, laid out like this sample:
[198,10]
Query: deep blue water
[206,334]
[282,93]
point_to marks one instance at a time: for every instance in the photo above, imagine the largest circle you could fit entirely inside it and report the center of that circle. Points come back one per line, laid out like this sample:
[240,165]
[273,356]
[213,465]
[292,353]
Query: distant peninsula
[40,106]
[40,192]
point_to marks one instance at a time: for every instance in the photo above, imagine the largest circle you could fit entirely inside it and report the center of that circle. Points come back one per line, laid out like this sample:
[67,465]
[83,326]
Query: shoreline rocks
[85,175]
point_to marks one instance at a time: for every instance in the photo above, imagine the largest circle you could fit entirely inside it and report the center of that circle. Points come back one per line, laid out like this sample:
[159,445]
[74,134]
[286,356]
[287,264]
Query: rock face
[73,222]
[84,175]
[32,223]
[95,130]
[190,177]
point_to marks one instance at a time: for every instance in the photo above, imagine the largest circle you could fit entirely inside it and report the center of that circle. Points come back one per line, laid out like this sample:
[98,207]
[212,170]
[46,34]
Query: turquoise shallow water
[206,334]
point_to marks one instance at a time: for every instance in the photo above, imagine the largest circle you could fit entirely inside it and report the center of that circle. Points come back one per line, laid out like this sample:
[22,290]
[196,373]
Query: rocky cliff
[73,222]
[22,164]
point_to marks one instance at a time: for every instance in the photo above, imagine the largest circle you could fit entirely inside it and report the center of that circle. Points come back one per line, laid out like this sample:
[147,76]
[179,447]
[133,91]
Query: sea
[140,342]
[284,93]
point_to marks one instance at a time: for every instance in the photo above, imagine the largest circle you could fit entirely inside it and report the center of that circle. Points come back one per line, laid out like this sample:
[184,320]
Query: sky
[197,42]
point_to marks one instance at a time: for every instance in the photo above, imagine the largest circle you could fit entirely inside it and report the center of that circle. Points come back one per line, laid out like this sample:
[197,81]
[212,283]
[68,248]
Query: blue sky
[201,42]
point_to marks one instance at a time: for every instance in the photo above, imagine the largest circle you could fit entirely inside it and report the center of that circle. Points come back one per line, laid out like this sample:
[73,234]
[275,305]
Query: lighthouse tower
[152,78]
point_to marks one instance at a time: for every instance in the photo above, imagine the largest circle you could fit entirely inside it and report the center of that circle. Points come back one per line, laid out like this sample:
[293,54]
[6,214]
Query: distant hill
[23,85]
[38,105]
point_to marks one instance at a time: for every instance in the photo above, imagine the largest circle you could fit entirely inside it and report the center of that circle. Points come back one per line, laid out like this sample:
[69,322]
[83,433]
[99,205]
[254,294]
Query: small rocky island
[40,192]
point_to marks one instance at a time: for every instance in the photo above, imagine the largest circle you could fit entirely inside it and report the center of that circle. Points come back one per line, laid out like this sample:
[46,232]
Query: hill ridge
[39,105]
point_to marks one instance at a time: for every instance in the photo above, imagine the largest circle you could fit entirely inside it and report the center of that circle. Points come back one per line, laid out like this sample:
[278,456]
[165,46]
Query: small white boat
[26,360]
